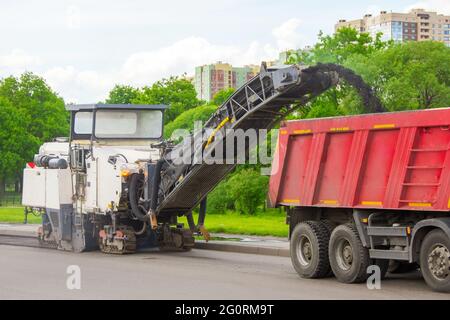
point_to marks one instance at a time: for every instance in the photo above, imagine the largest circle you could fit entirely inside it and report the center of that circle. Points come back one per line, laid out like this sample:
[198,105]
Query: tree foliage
[16,144]
[186,119]
[122,94]
[30,114]
[337,48]
[178,93]
[412,75]
[222,96]
[245,190]
[248,189]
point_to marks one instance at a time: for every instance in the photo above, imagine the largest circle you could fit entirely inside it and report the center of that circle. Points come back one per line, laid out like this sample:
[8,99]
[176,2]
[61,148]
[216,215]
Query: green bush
[220,200]
[248,188]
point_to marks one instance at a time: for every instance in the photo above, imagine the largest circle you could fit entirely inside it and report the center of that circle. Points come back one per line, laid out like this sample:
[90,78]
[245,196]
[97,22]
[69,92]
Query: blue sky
[83,48]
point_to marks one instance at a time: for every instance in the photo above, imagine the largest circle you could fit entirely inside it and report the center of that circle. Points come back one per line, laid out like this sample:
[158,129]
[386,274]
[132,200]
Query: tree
[412,75]
[186,119]
[43,112]
[222,96]
[122,94]
[178,93]
[12,136]
[31,113]
[338,48]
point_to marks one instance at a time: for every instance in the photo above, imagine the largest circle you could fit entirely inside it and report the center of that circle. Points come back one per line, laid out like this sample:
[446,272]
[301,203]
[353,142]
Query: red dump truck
[367,190]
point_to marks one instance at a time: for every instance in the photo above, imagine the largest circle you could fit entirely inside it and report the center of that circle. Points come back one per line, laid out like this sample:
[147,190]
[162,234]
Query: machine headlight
[128,169]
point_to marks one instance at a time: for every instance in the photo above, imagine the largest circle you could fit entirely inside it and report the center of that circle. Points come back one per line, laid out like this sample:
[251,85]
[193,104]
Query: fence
[11,199]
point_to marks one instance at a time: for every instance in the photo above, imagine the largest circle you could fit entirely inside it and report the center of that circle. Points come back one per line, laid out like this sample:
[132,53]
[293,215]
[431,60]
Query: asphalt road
[200,274]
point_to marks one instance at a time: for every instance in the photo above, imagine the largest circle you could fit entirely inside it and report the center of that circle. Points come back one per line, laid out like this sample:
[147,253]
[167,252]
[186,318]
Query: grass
[268,223]
[16,215]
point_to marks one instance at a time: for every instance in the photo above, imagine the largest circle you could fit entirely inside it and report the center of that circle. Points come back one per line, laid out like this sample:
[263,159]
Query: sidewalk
[272,246]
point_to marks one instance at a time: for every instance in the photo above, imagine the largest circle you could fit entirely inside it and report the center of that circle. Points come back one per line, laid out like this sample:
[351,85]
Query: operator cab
[96,122]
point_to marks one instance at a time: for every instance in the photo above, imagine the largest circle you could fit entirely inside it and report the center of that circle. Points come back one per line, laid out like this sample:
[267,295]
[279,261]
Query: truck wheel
[309,249]
[348,257]
[329,224]
[435,260]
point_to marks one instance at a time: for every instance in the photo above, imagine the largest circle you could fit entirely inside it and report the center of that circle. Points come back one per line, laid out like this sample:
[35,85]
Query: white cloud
[439,6]
[18,59]
[73,17]
[143,68]
[78,86]
[288,35]
[184,55]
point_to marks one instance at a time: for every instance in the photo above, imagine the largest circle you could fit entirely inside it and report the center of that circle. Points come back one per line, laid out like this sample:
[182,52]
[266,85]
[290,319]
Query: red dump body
[398,161]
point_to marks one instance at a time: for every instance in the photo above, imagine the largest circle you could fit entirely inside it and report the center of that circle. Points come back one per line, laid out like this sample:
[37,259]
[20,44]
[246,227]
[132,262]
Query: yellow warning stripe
[304,131]
[371,203]
[384,126]
[291,200]
[283,132]
[339,129]
[329,201]
[419,204]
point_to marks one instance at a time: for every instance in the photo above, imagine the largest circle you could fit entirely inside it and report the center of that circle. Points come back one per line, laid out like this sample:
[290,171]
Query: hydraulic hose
[133,194]
[155,185]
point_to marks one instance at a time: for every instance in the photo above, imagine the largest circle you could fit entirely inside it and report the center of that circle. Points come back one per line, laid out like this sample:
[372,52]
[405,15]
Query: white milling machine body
[82,185]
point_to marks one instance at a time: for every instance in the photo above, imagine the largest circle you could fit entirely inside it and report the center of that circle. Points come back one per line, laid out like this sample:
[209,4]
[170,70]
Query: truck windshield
[133,124]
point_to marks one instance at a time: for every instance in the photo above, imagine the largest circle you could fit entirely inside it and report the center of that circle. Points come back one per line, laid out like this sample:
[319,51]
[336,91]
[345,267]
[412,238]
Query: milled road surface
[200,274]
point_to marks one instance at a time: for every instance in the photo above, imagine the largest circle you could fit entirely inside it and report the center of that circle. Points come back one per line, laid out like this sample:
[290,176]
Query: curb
[18,233]
[241,248]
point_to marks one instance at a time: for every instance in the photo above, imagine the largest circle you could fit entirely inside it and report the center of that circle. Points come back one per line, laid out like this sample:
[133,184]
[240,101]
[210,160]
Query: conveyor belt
[259,104]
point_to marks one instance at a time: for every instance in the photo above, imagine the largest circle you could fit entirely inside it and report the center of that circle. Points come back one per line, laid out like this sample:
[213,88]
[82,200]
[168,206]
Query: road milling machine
[115,184]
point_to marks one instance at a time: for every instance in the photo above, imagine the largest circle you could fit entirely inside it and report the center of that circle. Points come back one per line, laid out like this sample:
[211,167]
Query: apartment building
[210,79]
[416,25]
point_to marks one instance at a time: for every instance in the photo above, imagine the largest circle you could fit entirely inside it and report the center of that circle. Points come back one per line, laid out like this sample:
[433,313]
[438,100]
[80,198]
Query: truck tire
[435,260]
[309,249]
[329,224]
[348,257]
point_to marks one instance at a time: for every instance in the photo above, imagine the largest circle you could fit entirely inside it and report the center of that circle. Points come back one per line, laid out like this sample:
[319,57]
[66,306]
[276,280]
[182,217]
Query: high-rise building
[210,79]
[416,25]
